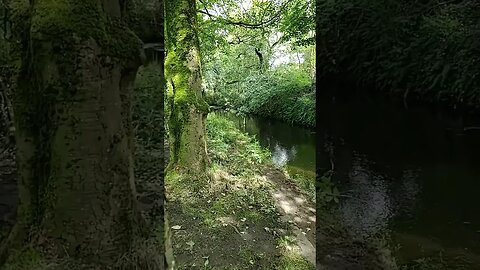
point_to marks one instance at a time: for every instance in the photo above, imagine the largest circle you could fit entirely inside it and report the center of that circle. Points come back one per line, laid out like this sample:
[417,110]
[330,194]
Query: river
[289,144]
[412,173]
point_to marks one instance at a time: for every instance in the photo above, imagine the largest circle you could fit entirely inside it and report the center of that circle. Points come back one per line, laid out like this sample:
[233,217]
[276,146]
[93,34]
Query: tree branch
[249,25]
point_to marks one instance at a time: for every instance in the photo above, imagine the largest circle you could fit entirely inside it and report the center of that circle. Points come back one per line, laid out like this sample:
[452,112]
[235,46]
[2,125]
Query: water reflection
[367,206]
[280,155]
[414,173]
[289,145]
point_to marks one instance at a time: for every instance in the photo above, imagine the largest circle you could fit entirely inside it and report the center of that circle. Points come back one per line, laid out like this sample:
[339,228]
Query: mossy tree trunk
[73,129]
[187,107]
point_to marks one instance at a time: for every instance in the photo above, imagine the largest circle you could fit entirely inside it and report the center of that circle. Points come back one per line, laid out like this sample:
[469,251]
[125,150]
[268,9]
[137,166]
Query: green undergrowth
[425,49]
[237,162]
[291,260]
[230,220]
[304,179]
[285,93]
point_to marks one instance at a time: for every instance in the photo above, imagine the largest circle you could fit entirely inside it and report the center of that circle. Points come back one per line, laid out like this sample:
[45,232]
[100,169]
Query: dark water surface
[290,145]
[414,173]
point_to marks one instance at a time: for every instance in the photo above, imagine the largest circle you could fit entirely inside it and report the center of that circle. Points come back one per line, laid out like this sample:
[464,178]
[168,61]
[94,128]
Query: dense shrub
[430,50]
[284,93]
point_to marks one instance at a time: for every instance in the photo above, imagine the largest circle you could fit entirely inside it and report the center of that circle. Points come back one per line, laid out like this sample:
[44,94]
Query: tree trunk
[73,130]
[188,109]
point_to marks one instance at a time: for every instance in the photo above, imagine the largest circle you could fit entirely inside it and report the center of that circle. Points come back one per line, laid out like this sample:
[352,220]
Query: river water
[412,173]
[290,145]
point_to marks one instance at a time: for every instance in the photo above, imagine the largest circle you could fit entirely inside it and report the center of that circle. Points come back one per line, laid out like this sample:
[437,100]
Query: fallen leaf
[190,244]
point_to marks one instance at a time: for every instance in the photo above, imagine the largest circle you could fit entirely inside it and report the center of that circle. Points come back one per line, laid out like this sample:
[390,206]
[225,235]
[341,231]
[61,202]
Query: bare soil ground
[262,223]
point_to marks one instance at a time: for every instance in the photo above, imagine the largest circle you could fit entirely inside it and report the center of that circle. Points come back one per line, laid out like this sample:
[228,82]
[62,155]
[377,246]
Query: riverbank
[238,219]
[286,96]
[292,147]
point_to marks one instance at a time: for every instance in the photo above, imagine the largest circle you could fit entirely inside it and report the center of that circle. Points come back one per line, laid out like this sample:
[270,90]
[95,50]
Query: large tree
[73,130]
[186,105]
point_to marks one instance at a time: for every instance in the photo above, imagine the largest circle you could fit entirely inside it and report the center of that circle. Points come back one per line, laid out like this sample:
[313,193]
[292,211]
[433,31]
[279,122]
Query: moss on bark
[73,130]
[187,106]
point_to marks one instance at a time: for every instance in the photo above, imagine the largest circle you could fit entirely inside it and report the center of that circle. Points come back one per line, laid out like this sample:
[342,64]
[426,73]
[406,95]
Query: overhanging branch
[249,25]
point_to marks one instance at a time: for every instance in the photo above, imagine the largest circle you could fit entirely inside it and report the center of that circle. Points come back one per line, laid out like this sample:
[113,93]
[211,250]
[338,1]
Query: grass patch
[304,179]
[291,260]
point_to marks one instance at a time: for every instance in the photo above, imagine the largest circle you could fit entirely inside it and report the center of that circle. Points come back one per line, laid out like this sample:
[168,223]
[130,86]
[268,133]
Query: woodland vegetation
[425,50]
[260,59]
[220,183]
[85,89]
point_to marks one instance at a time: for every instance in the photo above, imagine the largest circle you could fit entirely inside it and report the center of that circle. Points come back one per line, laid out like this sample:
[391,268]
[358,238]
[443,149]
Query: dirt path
[210,233]
[297,210]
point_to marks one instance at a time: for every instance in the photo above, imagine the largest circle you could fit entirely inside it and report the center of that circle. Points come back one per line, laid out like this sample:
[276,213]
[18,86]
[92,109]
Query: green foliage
[304,179]
[259,59]
[232,149]
[285,93]
[146,19]
[326,190]
[430,50]
[298,23]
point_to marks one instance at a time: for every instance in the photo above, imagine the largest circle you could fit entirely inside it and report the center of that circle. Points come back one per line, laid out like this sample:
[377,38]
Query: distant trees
[261,57]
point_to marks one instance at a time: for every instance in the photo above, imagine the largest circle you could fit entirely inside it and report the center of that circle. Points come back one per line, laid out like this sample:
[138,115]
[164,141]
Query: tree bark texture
[187,107]
[73,129]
